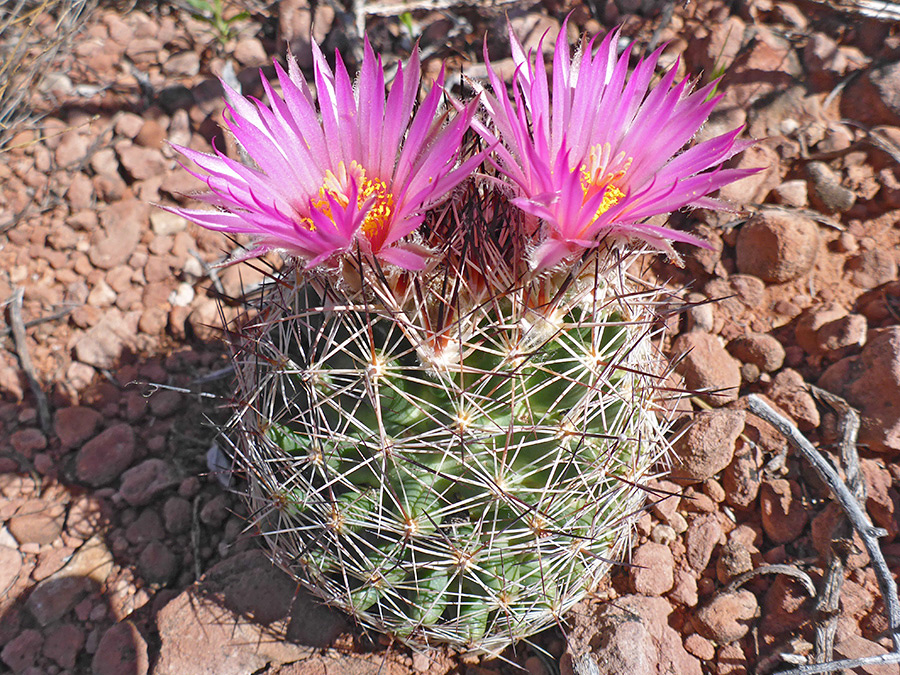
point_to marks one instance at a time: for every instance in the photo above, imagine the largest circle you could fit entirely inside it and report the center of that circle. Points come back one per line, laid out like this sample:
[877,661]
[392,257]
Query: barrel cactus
[448,399]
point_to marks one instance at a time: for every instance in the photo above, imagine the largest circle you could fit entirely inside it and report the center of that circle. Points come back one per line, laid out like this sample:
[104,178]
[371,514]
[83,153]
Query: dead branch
[17,326]
[860,523]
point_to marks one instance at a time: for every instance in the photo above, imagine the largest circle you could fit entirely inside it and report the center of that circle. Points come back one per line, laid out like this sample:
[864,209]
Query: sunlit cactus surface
[451,457]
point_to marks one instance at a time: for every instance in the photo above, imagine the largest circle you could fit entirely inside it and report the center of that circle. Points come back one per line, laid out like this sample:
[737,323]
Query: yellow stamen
[597,175]
[337,186]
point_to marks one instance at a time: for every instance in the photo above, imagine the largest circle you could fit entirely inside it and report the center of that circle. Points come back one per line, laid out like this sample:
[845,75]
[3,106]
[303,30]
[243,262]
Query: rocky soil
[123,543]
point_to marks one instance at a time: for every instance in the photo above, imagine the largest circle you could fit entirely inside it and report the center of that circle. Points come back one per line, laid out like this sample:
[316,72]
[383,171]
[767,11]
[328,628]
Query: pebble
[122,649]
[55,596]
[734,560]
[652,569]
[707,367]
[142,163]
[870,382]
[830,328]
[854,647]
[882,500]
[708,445]
[725,618]
[142,483]
[792,193]
[63,644]
[786,606]
[788,392]
[873,268]
[10,566]
[21,652]
[777,246]
[784,515]
[146,527]
[700,647]
[759,349]
[703,535]
[684,591]
[177,515]
[157,563]
[102,459]
[827,191]
[35,523]
[823,530]
[76,424]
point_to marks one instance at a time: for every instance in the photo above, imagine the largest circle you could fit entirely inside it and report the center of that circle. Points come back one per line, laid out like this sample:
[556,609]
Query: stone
[786,606]
[122,222]
[789,393]
[827,191]
[10,566]
[726,617]
[122,649]
[874,97]
[783,514]
[684,592]
[36,523]
[21,652]
[754,188]
[102,344]
[707,446]
[146,527]
[763,351]
[75,425]
[792,193]
[777,246]
[830,525]
[871,269]
[142,163]
[166,223]
[854,647]
[703,535]
[157,563]
[55,596]
[250,53]
[64,643]
[185,64]
[106,456]
[177,515]
[631,635]
[72,149]
[707,368]
[734,560]
[882,500]
[243,615]
[870,382]
[28,441]
[652,569]
[143,482]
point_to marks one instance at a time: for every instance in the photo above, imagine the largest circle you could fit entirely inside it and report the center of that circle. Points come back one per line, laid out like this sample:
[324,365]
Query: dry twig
[860,523]
[17,326]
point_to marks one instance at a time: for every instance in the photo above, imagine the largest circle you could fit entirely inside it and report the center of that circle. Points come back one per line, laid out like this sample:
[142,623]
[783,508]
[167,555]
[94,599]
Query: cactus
[455,455]
[447,399]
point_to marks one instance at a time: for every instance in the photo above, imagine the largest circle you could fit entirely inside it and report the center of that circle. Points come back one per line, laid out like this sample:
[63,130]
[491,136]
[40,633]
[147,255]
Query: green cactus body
[449,466]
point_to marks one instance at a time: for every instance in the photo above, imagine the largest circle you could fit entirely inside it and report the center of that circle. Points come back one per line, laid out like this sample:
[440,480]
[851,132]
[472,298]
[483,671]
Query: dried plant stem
[17,326]
[861,524]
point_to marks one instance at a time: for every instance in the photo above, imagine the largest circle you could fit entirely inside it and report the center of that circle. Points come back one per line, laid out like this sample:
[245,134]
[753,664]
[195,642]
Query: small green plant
[212,12]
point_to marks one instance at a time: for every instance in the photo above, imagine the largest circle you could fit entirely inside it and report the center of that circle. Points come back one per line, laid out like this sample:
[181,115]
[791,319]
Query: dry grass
[34,34]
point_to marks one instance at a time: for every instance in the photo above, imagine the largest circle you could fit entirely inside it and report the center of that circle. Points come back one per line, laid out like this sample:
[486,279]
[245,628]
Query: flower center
[337,185]
[600,173]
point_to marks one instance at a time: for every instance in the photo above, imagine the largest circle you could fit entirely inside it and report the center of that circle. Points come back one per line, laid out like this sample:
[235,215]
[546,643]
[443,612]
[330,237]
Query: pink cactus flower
[361,172]
[602,151]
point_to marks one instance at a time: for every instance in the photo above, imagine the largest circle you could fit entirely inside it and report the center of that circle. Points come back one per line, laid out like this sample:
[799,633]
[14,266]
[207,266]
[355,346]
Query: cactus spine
[453,455]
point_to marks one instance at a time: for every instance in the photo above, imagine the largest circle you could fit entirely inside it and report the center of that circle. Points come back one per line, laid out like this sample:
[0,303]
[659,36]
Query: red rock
[250,53]
[763,351]
[72,148]
[707,367]
[828,194]
[789,393]
[205,630]
[824,531]
[700,647]
[707,446]
[786,606]
[871,383]
[75,425]
[145,528]
[142,163]
[123,224]
[101,345]
[726,617]
[122,649]
[734,560]
[754,188]
[783,514]
[105,457]
[10,566]
[177,515]
[731,660]
[854,647]
[777,246]
[873,268]
[143,482]
[35,523]
[166,402]
[21,652]
[64,643]
[652,570]
[28,441]
[882,501]
[185,64]
[55,596]
[874,98]
[684,592]
[703,534]
[158,564]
